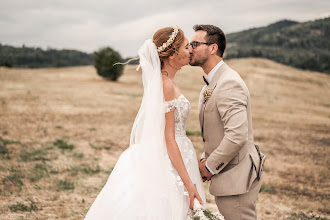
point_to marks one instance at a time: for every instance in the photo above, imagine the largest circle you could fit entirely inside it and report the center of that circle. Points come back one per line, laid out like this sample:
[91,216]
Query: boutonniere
[207,94]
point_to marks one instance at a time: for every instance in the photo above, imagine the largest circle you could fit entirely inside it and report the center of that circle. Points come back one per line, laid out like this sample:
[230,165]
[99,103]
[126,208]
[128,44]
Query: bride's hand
[192,191]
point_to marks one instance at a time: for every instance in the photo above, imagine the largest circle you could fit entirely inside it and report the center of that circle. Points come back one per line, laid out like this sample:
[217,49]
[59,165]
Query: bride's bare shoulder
[168,89]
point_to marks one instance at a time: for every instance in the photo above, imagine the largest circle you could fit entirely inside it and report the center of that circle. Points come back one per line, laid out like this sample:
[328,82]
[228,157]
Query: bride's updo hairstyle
[161,36]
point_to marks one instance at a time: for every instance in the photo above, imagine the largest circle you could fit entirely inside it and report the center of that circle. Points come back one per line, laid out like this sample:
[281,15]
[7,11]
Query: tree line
[302,45]
[30,57]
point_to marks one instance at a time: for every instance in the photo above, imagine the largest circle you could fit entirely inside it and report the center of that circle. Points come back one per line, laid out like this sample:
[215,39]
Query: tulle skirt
[141,188]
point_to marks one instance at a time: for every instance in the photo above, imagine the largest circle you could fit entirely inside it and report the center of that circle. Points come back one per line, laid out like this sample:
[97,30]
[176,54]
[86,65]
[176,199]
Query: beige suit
[226,125]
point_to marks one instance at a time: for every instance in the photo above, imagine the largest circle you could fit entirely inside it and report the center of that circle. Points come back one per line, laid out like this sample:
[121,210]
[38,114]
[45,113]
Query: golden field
[63,129]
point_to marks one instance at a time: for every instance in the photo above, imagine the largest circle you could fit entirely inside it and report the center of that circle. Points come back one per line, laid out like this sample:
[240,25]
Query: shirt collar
[213,71]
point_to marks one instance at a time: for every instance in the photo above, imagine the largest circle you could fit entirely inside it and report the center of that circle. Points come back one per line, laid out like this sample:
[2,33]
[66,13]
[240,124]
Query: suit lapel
[212,86]
[217,75]
[201,114]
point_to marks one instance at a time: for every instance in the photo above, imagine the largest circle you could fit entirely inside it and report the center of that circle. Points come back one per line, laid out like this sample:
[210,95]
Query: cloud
[125,25]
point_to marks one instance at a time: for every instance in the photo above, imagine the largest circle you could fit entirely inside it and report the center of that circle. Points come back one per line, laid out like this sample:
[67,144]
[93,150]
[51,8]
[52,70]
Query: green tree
[104,60]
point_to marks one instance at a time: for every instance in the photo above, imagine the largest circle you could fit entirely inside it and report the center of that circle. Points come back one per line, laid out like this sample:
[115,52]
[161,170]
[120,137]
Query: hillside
[302,45]
[30,57]
[63,129]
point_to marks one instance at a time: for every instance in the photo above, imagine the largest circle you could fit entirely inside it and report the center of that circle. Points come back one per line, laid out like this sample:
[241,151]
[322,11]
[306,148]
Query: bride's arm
[172,147]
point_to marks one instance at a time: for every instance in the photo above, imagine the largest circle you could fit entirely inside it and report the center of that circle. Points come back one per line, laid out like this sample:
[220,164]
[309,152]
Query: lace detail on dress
[169,105]
[181,107]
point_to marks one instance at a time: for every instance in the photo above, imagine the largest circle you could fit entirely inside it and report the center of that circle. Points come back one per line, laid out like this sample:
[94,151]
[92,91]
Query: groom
[230,159]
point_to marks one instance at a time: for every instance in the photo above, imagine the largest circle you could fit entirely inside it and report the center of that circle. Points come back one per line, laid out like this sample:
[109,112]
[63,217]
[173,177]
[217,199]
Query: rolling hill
[302,45]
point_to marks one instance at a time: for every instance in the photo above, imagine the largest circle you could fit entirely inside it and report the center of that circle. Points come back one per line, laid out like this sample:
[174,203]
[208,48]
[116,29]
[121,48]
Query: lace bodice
[181,107]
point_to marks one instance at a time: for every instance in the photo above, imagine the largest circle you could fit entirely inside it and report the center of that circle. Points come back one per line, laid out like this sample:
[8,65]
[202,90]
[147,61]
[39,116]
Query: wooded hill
[302,45]
[30,57]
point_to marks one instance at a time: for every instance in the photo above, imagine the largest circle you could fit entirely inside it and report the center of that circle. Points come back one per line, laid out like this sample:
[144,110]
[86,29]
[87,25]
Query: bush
[104,61]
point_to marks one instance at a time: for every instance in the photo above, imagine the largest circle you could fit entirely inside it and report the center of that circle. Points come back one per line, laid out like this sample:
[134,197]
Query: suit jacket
[226,125]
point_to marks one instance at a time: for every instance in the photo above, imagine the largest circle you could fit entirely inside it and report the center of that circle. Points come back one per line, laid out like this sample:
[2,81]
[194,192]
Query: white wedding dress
[144,185]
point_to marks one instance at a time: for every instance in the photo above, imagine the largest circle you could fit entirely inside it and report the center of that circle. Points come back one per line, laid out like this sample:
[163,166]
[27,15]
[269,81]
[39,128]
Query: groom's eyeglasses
[195,44]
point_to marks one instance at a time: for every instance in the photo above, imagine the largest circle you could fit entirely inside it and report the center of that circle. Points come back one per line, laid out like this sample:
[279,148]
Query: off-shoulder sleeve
[170,105]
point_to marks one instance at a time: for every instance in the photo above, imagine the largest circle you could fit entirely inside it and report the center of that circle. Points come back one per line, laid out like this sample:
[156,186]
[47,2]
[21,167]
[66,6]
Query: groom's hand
[206,175]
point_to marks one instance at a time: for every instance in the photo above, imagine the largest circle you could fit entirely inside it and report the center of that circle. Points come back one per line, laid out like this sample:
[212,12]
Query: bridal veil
[141,185]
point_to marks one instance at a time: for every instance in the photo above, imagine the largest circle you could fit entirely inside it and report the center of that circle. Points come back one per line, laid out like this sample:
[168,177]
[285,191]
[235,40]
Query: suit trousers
[238,207]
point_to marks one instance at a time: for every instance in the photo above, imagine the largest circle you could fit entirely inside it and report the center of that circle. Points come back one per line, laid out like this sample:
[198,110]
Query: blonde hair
[161,36]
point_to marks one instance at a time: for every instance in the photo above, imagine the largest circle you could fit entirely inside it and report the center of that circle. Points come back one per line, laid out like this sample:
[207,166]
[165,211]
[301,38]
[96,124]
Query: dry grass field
[63,129]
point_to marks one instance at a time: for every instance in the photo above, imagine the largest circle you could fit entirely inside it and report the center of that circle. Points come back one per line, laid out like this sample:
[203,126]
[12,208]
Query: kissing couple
[158,177]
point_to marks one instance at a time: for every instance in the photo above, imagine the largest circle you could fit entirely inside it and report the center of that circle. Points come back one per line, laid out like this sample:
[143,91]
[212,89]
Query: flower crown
[170,40]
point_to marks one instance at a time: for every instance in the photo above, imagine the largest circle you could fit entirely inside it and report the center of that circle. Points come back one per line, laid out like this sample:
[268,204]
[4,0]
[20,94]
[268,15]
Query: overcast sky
[125,25]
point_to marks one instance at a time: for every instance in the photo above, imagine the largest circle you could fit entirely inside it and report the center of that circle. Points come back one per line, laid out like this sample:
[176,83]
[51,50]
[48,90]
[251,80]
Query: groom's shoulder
[228,74]
[230,79]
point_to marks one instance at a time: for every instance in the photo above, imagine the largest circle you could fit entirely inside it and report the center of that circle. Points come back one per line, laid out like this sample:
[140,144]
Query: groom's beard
[198,61]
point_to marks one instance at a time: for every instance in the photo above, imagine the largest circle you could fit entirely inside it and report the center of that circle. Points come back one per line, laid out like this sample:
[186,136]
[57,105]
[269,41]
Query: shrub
[104,60]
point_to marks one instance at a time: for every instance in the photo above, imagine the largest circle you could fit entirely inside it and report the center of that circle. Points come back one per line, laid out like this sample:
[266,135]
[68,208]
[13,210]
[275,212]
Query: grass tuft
[65,185]
[34,155]
[78,155]
[63,144]
[193,133]
[40,171]
[84,168]
[3,149]
[268,188]
[15,179]
[23,208]
[100,147]
[4,152]
[305,216]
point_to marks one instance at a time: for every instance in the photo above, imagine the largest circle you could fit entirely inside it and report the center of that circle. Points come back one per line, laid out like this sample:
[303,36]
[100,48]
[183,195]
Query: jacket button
[220,165]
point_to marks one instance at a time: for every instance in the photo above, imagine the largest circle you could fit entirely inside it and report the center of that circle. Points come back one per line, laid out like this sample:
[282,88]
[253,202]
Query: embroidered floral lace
[181,107]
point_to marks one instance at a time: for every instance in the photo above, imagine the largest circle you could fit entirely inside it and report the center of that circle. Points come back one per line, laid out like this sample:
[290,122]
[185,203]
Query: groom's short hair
[214,35]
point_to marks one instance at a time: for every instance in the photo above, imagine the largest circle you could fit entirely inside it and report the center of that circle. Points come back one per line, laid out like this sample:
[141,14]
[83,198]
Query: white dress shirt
[201,98]
[208,79]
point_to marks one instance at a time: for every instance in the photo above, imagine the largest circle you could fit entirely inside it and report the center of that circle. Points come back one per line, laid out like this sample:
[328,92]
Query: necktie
[207,83]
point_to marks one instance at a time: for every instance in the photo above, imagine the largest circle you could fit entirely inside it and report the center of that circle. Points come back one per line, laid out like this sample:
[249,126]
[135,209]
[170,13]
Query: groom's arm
[231,104]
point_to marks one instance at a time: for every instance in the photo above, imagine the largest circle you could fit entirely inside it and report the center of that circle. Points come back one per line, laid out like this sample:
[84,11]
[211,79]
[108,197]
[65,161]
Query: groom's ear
[214,48]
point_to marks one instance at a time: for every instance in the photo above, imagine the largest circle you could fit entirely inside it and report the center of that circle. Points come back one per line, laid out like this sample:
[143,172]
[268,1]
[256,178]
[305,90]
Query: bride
[157,177]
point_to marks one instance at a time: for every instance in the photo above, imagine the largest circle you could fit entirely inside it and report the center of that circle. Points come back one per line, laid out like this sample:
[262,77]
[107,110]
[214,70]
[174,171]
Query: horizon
[127,57]
[124,26]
